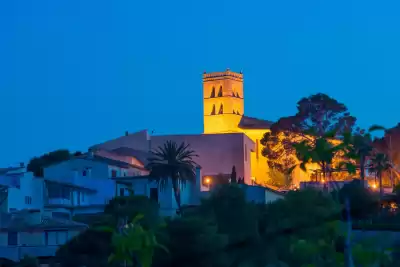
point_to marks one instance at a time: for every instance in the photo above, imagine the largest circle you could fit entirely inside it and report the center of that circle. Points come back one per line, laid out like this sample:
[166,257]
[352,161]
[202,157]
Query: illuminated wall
[222,101]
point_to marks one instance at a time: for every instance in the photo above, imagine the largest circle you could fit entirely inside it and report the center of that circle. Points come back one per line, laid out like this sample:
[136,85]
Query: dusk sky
[74,73]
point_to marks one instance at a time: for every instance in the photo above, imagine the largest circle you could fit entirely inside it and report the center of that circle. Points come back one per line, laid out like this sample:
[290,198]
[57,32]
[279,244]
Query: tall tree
[358,146]
[233,175]
[173,162]
[380,163]
[317,115]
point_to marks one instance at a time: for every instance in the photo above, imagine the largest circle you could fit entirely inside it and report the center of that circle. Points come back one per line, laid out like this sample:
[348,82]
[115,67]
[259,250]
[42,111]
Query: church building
[230,138]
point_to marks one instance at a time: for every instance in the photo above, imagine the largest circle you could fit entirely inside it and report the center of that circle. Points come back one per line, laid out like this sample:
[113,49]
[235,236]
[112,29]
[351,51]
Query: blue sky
[74,73]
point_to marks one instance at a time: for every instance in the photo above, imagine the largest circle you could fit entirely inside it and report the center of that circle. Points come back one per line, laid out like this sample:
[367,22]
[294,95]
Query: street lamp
[207,181]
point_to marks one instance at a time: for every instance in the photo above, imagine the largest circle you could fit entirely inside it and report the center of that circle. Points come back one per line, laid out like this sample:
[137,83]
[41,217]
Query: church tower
[223,101]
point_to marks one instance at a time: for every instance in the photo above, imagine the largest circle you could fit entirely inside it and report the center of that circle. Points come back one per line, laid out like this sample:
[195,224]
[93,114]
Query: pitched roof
[105,160]
[6,170]
[67,184]
[254,123]
[140,155]
[21,221]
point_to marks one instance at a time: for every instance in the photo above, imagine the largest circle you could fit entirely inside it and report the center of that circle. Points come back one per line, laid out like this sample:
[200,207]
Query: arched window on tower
[237,95]
[237,112]
[220,91]
[221,109]
[213,110]
[234,112]
[212,92]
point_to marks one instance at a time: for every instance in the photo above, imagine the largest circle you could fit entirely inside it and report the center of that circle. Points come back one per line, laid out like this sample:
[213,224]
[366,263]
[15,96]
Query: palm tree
[359,147]
[320,151]
[175,162]
[380,163]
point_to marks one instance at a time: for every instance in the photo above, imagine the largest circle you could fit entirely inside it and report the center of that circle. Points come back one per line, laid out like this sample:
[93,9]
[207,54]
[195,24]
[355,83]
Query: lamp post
[208,182]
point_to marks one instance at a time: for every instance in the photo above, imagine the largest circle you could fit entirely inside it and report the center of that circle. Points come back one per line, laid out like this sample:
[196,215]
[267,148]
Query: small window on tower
[233,94]
[213,110]
[237,112]
[220,91]
[221,109]
[237,95]
[212,92]
[234,112]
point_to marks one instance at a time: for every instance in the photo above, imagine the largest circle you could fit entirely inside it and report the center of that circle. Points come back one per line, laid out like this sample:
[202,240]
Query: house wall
[259,194]
[218,153]
[34,243]
[31,188]
[3,239]
[71,171]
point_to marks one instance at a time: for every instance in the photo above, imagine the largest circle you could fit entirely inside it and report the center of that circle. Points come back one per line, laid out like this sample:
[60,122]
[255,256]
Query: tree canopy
[317,116]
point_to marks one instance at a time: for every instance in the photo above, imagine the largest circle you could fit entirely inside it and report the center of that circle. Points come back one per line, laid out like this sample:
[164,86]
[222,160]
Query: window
[122,191]
[213,110]
[28,200]
[54,238]
[234,112]
[212,92]
[12,238]
[220,91]
[154,194]
[83,196]
[113,173]
[237,112]
[245,152]
[221,109]
[237,95]
[66,192]
[84,173]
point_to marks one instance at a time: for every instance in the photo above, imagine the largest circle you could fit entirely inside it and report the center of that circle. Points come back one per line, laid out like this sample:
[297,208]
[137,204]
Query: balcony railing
[59,201]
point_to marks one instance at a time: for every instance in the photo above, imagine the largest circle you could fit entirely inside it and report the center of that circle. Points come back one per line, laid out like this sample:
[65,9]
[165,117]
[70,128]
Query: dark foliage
[37,164]
[317,115]
[91,249]
[363,202]
[233,175]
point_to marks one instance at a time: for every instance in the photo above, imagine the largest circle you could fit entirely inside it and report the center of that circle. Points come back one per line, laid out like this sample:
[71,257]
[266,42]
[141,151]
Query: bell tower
[223,101]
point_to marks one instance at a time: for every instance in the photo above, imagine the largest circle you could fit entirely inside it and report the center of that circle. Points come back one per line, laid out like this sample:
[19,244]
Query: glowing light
[323,181]
[208,180]
[374,186]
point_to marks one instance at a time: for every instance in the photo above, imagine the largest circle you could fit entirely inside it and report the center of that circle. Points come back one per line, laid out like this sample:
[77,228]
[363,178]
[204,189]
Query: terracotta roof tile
[254,123]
